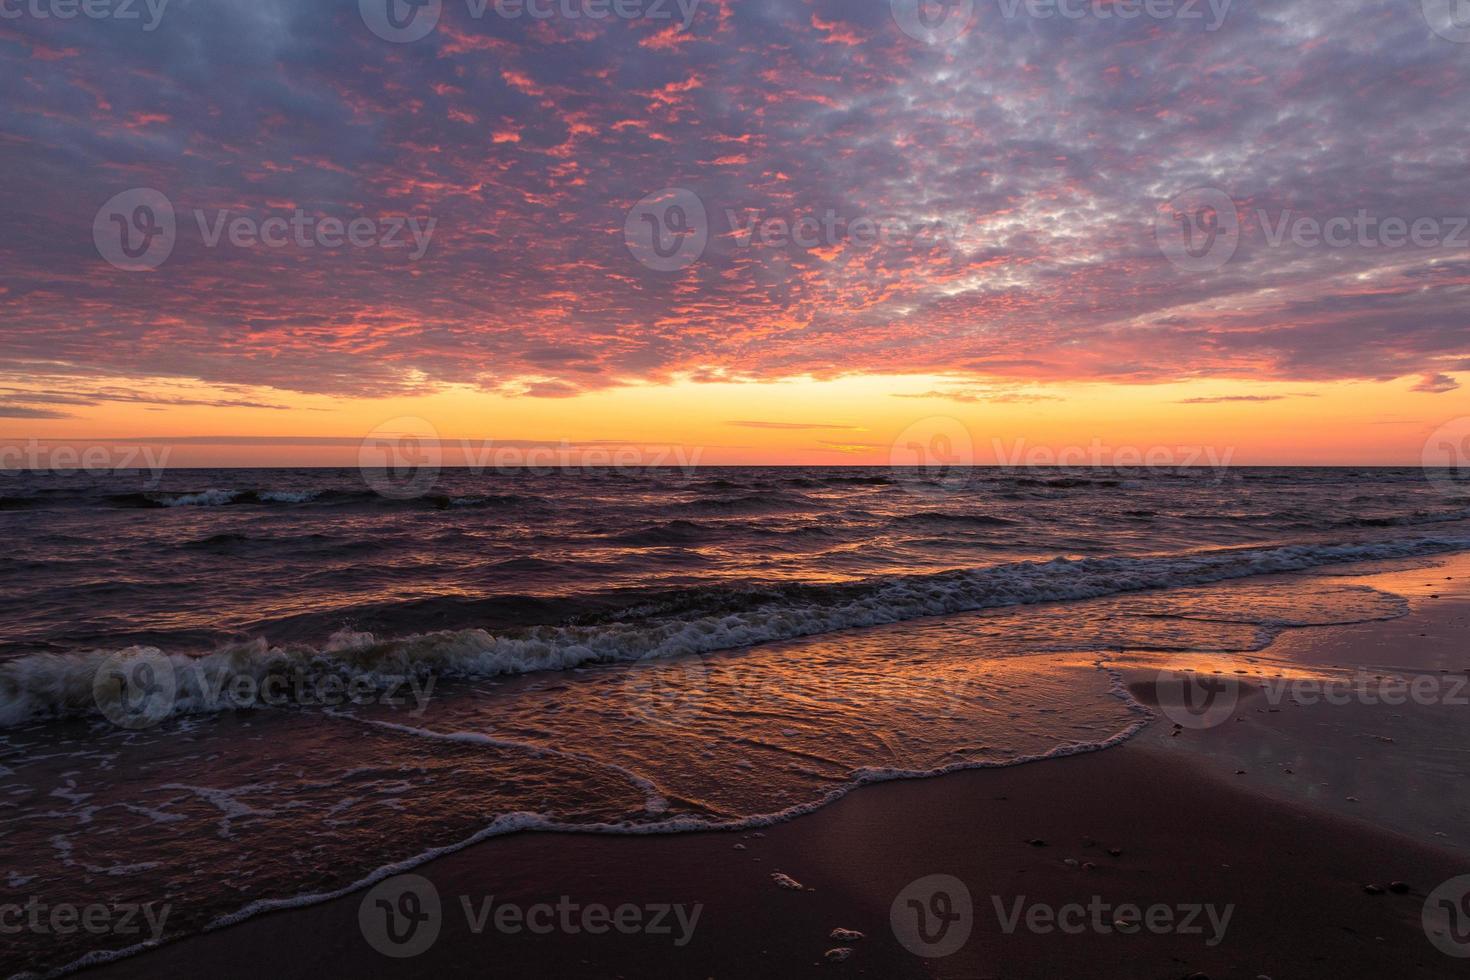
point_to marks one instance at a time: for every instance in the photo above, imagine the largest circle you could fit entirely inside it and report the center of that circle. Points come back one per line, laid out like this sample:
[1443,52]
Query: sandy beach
[1296,839]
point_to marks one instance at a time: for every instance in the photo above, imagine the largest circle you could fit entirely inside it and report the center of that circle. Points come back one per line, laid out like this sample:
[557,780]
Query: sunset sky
[1027,288]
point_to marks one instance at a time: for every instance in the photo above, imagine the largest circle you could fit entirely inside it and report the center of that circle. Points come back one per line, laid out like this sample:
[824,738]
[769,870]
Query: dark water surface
[210,556]
[624,651]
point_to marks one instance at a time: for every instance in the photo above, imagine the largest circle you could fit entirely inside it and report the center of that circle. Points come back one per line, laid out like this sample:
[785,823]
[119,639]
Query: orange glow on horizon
[850,421]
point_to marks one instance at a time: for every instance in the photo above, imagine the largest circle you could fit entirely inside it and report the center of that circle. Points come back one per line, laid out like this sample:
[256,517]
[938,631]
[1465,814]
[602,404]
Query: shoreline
[1184,838]
[1185,823]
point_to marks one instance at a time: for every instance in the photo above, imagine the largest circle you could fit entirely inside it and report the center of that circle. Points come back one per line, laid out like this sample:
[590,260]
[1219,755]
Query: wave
[942,517]
[825,531]
[316,545]
[42,686]
[219,542]
[230,497]
[18,503]
[858,481]
[1064,482]
[1404,520]
[518,822]
[656,535]
[745,503]
[205,498]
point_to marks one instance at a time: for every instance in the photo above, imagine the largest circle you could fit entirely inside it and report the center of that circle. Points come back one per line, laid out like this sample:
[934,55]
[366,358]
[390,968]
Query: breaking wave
[42,686]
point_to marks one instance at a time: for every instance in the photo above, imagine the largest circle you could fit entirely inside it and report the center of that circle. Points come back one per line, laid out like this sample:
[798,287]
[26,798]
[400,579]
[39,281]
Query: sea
[224,692]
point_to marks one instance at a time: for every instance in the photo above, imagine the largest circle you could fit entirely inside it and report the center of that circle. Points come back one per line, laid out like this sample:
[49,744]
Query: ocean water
[230,691]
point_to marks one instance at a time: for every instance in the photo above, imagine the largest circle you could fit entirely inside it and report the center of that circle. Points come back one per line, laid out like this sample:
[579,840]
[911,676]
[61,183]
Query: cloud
[850,448]
[794,426]
[27,412]
[994,397]
[105,395]
[985,209]
[351,441]
[1436,384]
[1222,399]
[552,389]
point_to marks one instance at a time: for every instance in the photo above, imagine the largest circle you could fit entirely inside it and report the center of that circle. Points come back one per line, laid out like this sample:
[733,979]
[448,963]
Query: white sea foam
[654,801]
[519,822]
[288,496]
[206,498]
[223,498]
[51,685]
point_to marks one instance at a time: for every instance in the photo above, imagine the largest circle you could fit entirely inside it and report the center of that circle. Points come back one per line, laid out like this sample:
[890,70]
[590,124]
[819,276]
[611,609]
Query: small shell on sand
[837,955]
[786,881]
[845,935]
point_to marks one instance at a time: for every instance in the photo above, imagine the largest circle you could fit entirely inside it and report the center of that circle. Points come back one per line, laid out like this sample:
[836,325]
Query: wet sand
[1281,817]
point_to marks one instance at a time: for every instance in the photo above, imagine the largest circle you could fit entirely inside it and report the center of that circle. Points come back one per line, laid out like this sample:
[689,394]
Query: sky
[260,232]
